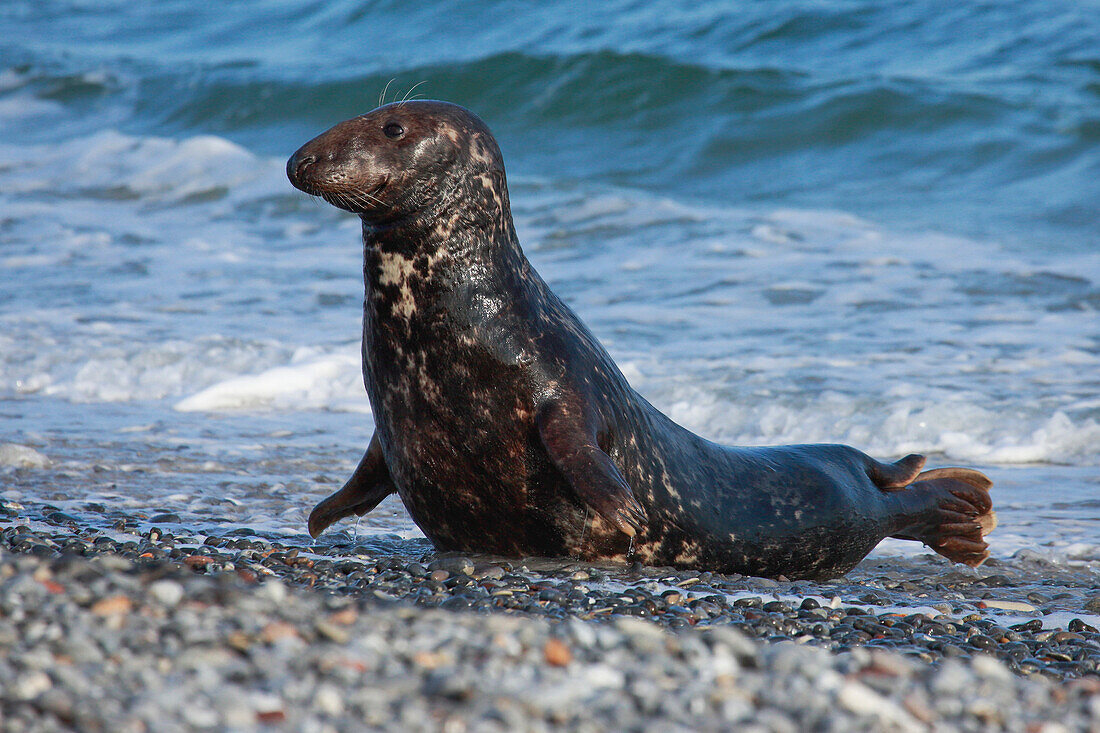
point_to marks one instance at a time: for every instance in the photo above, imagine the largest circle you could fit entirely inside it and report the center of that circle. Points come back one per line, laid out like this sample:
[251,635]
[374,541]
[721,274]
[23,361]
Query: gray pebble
[288,641]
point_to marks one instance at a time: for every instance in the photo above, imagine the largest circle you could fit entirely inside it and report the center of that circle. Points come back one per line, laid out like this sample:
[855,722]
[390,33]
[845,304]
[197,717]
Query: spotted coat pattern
[504,425]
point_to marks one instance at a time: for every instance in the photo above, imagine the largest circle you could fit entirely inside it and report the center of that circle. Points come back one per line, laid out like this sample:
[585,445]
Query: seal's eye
[393,130]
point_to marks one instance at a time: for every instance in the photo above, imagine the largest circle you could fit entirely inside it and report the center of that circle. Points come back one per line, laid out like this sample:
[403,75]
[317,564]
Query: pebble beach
[866,223]
[119,629]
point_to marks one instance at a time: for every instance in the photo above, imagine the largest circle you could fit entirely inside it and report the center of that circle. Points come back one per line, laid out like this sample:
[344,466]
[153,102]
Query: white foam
[151,168]
[312,380]
[149,371]
[901,341]
[22,456]
[960,431]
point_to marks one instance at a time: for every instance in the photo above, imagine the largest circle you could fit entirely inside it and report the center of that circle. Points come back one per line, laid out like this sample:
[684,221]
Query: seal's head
[399,160]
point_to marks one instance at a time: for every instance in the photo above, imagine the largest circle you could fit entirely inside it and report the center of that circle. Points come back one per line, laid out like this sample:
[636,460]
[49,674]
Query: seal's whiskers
[362,198]
[409,93]
[382,96]
[371,197]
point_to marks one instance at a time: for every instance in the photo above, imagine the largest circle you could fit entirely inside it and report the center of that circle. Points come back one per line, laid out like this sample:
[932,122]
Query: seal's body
[506,428]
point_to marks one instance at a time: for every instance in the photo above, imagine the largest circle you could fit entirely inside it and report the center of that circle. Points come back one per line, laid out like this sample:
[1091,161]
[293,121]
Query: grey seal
[506,428]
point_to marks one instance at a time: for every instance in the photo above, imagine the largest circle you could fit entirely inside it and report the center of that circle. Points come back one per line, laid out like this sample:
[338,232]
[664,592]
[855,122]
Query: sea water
[862,222]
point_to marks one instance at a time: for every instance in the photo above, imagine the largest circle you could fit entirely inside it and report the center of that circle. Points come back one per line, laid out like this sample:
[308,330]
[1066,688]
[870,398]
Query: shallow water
[862,224]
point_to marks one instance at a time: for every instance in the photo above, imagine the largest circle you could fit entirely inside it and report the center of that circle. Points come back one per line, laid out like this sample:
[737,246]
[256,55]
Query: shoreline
[100,630]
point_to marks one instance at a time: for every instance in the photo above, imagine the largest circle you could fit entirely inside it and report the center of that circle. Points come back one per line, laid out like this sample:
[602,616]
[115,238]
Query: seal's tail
[961,514]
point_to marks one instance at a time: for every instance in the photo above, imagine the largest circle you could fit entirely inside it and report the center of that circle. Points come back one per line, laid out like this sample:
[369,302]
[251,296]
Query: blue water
[865,222]
[966,117]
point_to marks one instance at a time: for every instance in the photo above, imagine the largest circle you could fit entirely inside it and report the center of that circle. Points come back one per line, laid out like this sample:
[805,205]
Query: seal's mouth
[307,175]
[378,189]
[355,200]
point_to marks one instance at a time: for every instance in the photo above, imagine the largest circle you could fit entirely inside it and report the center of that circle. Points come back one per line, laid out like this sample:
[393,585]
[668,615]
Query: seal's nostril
[305,162]
[297,165]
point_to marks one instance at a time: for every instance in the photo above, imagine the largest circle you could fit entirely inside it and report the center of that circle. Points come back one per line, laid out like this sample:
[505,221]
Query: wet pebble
[124,586]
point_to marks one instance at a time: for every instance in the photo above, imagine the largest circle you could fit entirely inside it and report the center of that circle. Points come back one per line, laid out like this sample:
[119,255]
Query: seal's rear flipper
[960,516]
[366,488]
[895,476]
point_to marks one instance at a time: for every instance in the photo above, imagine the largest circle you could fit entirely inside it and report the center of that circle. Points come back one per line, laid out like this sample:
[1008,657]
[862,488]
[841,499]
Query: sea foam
[311,381]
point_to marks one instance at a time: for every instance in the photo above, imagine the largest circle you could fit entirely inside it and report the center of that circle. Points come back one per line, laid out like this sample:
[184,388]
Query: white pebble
[640,629]
[862,700]
[723,662]
[1009,605]
[736,640]
[265,702]
[200,716]
[167,592]
[859,698]
[735,709]
[990,668]
[582,632]
[31,684]
[274,590]
[601,675]
[329,700]
[952,677]
[1052,727]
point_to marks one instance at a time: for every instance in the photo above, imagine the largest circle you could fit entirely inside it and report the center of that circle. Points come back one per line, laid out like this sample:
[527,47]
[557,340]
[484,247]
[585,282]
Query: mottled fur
[506,428]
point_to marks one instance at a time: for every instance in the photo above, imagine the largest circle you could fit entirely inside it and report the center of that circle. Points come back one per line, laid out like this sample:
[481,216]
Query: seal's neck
[466,245]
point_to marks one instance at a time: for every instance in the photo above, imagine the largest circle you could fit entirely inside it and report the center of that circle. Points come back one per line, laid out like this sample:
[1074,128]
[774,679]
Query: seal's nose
[297,166]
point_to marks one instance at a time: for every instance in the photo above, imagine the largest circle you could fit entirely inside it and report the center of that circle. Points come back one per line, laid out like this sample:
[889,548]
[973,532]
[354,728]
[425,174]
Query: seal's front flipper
[572,447]
[960,516]
[367,487]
